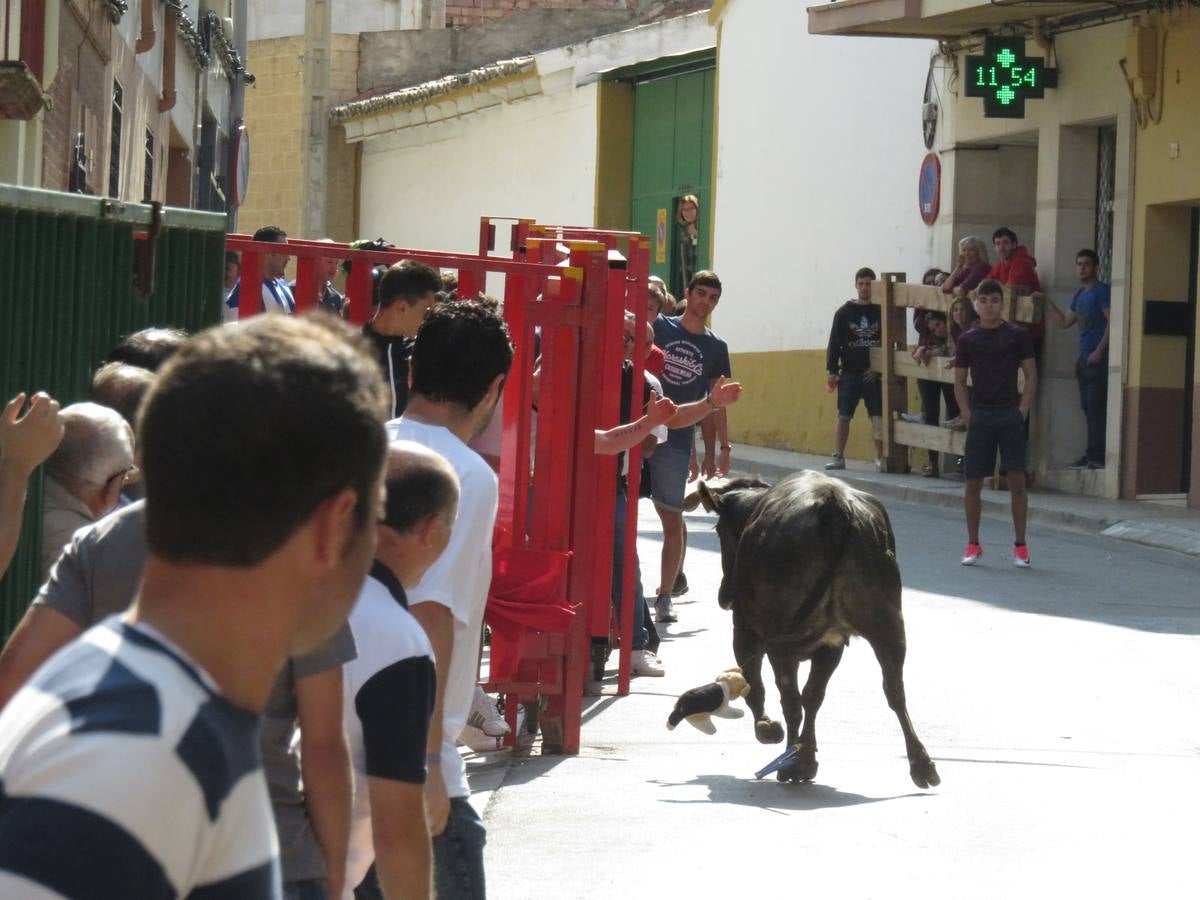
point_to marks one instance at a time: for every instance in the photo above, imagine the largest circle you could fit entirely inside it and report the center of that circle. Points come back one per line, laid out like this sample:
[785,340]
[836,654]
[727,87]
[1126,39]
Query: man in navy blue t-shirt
[695,359]
[1090,308]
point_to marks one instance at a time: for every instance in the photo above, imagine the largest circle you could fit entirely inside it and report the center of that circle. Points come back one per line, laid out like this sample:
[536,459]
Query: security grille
[1106,183]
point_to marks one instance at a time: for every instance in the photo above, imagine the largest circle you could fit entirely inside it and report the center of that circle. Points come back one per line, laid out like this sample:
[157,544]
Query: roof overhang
[941,19]
[445,98]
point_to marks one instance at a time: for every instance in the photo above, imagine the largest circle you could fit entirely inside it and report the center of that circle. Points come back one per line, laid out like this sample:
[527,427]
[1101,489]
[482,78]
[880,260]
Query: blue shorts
[669,475]
[852,388]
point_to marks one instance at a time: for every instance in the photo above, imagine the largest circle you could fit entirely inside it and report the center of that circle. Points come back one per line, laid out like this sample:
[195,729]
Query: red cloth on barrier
[528,591]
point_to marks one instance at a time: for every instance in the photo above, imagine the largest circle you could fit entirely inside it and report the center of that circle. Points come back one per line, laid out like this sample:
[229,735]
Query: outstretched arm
[25,443]
[619,439]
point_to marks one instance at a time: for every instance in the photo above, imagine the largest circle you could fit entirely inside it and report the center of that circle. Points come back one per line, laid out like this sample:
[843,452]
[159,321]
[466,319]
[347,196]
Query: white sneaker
[878,464]
[835,462]
[485,717]
[646,663]
[478,741]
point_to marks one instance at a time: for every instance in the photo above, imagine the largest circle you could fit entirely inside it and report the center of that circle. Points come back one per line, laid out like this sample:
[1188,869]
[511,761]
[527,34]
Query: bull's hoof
[803,769]
[768,732]
[924,773]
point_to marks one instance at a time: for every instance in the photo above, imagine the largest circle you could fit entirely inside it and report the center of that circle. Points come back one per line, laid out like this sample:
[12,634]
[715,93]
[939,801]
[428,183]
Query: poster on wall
[660,238]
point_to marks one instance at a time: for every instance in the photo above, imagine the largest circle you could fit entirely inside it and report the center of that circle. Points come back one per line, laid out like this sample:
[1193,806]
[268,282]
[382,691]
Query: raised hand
[26,441]
[724,393]
[661,410]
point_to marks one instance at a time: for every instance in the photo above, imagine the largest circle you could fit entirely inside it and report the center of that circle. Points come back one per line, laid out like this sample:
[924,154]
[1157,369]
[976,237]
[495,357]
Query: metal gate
[77,273]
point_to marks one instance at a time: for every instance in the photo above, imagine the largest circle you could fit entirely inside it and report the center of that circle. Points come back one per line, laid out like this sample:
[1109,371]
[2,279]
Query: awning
[947,19]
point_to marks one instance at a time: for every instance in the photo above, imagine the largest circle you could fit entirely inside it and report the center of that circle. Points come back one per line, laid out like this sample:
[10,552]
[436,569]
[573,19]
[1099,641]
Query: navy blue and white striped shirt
[276,297]
[124,773]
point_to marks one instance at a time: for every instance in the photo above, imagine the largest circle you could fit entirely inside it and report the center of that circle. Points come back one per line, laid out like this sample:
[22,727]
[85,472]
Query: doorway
[672,159]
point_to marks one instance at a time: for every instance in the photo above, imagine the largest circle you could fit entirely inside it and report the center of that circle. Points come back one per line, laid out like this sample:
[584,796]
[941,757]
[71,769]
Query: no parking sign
[929,188]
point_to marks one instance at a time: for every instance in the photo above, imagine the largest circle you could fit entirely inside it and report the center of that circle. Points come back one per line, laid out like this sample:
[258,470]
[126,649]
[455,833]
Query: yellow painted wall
[342,183]
[274,116]
[1160,236]
[614,154]
[784,405]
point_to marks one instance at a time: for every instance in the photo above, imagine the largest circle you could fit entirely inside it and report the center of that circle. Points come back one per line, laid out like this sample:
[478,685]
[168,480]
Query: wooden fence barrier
[895,364]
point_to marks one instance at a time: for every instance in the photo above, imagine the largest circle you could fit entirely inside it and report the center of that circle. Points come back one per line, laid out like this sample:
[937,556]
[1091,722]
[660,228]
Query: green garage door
[672,156]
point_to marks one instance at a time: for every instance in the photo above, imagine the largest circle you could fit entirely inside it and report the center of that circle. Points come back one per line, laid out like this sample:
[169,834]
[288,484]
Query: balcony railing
[22,57]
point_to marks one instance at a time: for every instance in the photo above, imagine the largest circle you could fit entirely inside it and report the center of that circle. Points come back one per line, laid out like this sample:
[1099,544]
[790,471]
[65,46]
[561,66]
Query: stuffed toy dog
[700,704]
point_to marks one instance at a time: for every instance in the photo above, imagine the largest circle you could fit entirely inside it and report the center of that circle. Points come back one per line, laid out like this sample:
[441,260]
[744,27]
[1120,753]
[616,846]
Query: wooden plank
[907,367]
[1024,309]
[893,336]
[930,437]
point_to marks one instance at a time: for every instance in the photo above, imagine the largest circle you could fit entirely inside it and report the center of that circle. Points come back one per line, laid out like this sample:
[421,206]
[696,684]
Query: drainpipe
[171,29]
[237,99]
[146,39]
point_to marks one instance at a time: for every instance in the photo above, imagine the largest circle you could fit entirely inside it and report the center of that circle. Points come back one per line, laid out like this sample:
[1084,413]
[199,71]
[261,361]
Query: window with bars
[148,181]
[114,158]
[1106,184]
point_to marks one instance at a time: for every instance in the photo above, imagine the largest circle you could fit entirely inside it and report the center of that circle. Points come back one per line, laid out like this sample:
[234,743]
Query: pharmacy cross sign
[1005,77]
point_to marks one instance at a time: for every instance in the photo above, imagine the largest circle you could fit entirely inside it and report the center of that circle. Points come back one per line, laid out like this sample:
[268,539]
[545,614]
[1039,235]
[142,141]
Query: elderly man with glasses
[85,475]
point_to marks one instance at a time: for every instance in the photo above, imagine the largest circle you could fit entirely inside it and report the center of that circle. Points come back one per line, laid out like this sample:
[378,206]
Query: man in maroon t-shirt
[994,412]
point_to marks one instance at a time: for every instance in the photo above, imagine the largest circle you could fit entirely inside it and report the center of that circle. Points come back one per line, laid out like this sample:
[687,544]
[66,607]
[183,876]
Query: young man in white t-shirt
[459,363]
[390,688]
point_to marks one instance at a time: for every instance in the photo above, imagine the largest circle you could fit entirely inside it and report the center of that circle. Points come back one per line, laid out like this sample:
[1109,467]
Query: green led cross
[1004,77]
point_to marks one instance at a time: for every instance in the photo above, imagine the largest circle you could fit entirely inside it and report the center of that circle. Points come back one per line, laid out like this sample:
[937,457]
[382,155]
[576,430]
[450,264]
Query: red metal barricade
[598,404]
[553,525]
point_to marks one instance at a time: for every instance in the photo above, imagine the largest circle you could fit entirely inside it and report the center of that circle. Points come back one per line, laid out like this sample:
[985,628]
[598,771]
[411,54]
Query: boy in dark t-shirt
[855,331]
[994,412]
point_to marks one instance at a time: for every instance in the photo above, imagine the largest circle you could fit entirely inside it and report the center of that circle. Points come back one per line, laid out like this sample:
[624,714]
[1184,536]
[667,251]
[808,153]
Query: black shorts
[851,388]
[993,429]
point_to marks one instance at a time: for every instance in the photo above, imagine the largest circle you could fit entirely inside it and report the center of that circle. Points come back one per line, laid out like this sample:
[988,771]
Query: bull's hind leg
[890,653]
[748,653]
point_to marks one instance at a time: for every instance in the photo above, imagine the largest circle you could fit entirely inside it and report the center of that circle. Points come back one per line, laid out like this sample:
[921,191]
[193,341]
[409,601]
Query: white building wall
[818,152]
[427,186]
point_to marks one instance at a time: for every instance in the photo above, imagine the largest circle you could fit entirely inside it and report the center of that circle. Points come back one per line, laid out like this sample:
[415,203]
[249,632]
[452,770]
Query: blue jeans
[458,854]
[310,889]
[1093,398]
[640,635]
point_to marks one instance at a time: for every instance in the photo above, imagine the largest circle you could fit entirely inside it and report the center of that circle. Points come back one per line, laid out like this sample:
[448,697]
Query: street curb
[996,506]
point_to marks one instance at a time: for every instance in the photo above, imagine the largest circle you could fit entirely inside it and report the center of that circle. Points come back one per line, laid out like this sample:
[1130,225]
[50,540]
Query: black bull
[806,564]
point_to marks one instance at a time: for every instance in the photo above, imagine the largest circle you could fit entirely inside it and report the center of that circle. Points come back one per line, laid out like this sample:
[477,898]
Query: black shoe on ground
[680,587]
[1093,466]
[1081,463]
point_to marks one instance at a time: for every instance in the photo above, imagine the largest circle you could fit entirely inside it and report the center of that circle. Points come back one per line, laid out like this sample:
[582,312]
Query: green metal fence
[67,296]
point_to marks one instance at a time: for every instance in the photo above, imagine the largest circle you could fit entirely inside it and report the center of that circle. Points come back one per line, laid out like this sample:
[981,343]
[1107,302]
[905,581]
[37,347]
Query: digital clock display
[1005,77]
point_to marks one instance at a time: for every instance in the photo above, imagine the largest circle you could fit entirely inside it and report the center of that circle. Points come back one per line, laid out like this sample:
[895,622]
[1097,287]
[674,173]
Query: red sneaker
[974,551]
[1021,556]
